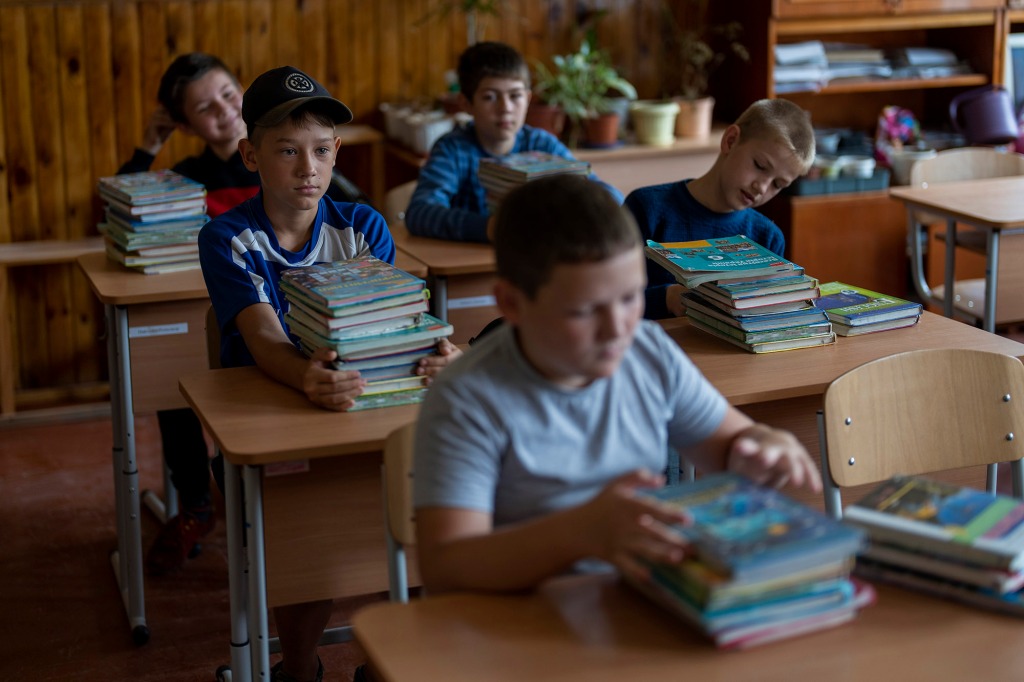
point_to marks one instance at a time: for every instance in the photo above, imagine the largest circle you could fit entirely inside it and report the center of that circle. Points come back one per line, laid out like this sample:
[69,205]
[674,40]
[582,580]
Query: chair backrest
[212,339]
[966,163]
[919,412]
[398,450]
[396,201]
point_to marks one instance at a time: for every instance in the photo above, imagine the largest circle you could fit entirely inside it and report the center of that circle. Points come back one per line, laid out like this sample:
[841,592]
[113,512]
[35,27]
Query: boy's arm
[277,357]
[459,549]
[766,455]
[430,212]
[158,129]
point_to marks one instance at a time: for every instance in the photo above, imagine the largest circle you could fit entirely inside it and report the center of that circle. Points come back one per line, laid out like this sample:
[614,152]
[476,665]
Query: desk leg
[127,559]
[991,270]
[439,297]
[917,258]
[238,573]
[258,629]
[950,273]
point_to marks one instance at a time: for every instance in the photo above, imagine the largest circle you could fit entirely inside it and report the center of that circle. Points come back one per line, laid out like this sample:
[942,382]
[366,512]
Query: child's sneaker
[277,673]
[179,540]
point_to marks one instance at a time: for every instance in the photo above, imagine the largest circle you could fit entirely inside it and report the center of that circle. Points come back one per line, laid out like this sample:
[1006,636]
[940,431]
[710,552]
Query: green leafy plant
[476,11]
[582,83]
[696,51]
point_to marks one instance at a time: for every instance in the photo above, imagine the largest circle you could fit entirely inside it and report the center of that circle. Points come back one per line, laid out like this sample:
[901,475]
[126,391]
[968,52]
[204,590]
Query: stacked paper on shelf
[944,539]
[499,176]
[855,310]
[152,220]
[374,316]
[765,567]
[742,293]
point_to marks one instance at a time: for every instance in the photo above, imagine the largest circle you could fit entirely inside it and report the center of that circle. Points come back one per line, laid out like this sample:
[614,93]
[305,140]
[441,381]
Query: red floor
[64,616]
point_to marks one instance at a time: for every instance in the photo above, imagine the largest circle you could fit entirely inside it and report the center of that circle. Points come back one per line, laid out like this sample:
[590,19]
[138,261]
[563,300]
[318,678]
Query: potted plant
[583,84]
[694,53]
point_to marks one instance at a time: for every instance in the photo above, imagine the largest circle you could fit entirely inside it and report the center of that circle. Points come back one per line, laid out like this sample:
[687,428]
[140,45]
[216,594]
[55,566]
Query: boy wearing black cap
[290,121]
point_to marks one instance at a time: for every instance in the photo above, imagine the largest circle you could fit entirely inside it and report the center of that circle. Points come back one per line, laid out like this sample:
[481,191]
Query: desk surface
[256,420]
[591,628]
[993,203]
[443,257]
[115,284]
[746,378]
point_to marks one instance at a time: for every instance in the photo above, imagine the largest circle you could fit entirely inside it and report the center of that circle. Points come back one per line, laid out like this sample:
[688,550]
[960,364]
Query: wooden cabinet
[871,225]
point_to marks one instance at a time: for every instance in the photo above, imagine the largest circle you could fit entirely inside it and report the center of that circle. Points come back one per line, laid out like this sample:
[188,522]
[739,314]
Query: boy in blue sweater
[290,120]
[769,146]
[449,201]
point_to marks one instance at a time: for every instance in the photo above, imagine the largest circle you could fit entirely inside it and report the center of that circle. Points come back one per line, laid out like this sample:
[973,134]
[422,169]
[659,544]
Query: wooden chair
[919,412]
[399,516]
[968,163]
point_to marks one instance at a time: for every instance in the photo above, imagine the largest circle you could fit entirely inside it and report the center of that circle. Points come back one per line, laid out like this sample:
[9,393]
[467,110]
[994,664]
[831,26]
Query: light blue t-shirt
[495,436]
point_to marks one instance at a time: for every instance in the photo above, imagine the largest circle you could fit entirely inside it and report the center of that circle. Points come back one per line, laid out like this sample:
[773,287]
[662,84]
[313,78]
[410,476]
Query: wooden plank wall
[78,79]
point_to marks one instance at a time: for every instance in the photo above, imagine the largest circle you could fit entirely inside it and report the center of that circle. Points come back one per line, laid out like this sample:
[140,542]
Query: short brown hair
[558,220]
[781,120]
[183,71]
[490,60]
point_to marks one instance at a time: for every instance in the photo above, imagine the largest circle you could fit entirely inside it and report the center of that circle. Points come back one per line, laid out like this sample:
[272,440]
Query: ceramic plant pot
[654,121]
[601,130]
[694,118]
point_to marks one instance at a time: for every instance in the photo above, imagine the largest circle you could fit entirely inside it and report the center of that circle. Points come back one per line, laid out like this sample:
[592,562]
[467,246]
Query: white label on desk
[470,302]
[297,466]
[158,330]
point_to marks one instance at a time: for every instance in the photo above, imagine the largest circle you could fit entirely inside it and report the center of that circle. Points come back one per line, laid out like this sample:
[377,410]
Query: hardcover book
[872,327]
[348,316]
[529,165]
[757,320]
[427,333]
[349,282]
[712,260]
[923,562]
[749,532]
[822,338]
[150,187]
[391,399]
[944,519]
[781,334]
[159,211]
[853,306]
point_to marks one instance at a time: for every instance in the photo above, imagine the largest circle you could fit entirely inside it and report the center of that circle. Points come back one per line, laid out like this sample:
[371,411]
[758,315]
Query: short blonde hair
[782,121]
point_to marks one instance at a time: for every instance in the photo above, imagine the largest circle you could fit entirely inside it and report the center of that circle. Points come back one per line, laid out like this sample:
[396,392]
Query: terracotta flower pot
[694,118]
[546,116]
[601,130]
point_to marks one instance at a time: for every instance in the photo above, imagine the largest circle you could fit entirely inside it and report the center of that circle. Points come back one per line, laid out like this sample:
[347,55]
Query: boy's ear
[730,138]
[508,298]
[248,152]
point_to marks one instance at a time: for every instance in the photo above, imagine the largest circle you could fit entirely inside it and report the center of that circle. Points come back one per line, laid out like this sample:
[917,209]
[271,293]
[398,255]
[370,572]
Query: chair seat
[969,301]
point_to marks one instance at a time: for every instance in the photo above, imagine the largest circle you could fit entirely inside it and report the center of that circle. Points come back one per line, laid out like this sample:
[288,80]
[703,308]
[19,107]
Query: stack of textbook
[854,310]
[153,220]
[943,539]
[766,567]
[741,292]
[499,176]
[374,316]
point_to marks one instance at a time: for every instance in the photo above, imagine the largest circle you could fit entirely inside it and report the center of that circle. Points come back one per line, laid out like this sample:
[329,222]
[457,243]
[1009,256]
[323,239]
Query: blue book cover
[853,305]
[750,532]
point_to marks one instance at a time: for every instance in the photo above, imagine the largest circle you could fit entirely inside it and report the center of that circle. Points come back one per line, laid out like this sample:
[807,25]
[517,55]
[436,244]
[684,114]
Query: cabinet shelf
[887,85]
[912,22]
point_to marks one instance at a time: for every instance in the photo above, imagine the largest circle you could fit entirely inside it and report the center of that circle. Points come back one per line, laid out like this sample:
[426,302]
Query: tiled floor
[64,619]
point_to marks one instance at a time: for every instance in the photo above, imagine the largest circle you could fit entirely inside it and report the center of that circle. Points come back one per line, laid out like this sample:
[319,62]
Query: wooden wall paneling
[534,40]
[389,36]
[260,42]
[180,39]
[338,51]
[153,59]
[234,39]
[313,29]
[126,69]
[361,75]
[285,35]
[5,206]
[208,28]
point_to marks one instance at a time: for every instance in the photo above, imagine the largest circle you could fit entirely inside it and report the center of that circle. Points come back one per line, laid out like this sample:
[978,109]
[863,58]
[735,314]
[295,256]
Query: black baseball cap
[279,92]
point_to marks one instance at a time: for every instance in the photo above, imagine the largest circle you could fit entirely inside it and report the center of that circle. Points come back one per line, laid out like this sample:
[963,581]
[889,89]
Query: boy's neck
[292,228]
[705,190]
[224,150]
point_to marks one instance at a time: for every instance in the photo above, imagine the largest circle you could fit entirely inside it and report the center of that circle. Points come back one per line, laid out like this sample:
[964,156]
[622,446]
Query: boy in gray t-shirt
[529,449]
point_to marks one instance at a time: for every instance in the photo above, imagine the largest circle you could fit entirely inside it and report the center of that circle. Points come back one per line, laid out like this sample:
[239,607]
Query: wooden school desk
[462,276]
[313,519]
[595,628]
[155,331]
[993,205]
[785,389]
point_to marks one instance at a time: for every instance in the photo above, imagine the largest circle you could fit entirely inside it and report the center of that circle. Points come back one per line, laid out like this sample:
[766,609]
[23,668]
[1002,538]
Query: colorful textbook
[765,567]
[735,259]
[855,310]
[374,316]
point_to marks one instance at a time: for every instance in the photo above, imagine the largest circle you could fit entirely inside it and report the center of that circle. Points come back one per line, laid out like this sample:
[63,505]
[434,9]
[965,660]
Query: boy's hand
[772,457]
[431,365]
[327,387]
[158,129]
[623,526]
[674,299]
